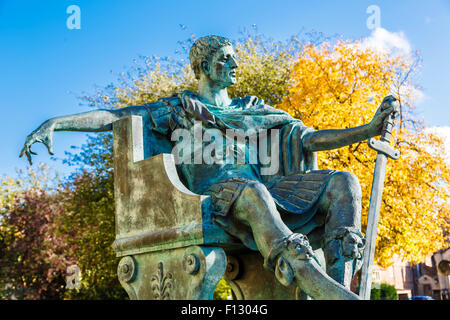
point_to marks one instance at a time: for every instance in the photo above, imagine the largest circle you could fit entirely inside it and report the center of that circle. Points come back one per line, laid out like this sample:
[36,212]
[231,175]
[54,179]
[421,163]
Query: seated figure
[286,211]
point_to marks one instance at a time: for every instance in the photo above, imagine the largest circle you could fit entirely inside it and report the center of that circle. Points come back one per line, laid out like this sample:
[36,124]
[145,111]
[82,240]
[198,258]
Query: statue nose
[234,63]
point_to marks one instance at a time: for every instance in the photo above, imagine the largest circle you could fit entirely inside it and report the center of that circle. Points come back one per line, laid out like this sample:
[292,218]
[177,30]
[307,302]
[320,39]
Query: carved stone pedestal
[180,274]
[250,281]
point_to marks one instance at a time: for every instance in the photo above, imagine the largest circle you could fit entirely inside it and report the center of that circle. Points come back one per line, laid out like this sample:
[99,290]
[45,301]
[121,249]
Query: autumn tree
[340,86]
[88,221]
[33,255]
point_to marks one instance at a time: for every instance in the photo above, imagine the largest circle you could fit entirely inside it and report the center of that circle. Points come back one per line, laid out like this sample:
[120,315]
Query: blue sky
[46,66]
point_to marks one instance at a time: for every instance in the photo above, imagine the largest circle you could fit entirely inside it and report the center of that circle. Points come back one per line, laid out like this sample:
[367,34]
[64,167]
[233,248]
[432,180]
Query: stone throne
[169,246]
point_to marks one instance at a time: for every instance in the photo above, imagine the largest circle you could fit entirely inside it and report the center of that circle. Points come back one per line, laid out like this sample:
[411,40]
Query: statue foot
[314,281]
[296,261]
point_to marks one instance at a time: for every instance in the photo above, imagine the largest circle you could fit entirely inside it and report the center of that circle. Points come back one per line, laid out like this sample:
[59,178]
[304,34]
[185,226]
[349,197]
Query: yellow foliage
[341,86]
[12,189]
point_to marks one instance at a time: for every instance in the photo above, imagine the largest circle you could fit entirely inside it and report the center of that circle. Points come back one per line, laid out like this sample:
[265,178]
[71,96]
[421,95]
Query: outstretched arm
[337,138]
[92,121]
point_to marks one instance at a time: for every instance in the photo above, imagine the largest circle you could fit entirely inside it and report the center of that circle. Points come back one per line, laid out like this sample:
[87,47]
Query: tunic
[295,187]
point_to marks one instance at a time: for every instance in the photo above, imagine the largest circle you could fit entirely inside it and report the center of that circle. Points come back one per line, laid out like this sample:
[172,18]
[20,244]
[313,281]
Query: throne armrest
[154,210]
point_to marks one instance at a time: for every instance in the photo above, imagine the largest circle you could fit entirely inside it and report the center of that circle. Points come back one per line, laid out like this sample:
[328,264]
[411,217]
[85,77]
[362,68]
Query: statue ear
[284,272]
[204,66]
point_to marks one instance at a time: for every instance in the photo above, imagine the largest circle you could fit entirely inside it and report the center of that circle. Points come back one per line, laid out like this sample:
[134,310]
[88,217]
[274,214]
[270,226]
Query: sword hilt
[388,124]
[387,127]
[382,145]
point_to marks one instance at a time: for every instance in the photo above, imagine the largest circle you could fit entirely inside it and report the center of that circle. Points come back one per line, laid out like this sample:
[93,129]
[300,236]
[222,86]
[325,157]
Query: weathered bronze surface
[182,207]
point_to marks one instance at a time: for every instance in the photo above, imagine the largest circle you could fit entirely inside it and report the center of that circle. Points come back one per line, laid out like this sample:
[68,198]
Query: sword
[384,150]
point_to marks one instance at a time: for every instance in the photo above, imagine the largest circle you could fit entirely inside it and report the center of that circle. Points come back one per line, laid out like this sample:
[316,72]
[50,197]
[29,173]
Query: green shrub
[383,291]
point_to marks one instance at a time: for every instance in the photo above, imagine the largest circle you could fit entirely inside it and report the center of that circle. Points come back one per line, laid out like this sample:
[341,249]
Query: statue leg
[256,209]
[342,242]
[286,253]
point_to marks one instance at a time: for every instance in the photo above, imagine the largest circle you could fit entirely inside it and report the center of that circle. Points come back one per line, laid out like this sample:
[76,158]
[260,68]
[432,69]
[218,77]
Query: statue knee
[344,183]
[252,196]
[254,191]
[342,201]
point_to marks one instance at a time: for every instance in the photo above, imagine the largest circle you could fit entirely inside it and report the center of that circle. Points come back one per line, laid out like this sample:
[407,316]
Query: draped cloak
[295,187]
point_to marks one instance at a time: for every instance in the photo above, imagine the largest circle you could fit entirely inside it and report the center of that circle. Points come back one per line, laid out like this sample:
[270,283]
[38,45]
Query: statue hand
[389,105]
[43,134]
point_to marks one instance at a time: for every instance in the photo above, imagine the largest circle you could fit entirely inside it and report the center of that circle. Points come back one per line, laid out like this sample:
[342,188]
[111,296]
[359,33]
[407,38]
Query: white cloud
[394,44]
[388,42]
[417,95]
[444,133]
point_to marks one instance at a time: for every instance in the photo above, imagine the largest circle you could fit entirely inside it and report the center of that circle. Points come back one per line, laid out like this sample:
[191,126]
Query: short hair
[203,48]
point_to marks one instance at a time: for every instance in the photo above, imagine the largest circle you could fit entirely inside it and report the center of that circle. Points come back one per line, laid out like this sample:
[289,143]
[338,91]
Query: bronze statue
[284,215]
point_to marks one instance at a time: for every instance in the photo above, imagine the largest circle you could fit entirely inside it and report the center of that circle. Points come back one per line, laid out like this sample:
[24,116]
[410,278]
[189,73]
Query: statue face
[222,66]
[352,245]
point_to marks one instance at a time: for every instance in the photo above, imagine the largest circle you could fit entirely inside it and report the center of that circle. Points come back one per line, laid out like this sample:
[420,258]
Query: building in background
[429,278]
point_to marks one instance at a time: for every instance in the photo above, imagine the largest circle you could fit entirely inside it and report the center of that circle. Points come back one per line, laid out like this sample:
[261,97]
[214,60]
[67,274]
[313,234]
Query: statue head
[214,57]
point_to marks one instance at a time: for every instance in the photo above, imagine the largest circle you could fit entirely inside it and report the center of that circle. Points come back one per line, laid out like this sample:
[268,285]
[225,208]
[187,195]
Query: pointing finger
[48,142]
[49,148]
[23,151]
[29,158]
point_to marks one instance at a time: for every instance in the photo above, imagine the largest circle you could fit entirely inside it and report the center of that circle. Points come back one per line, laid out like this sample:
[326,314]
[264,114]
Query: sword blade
[372,225]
